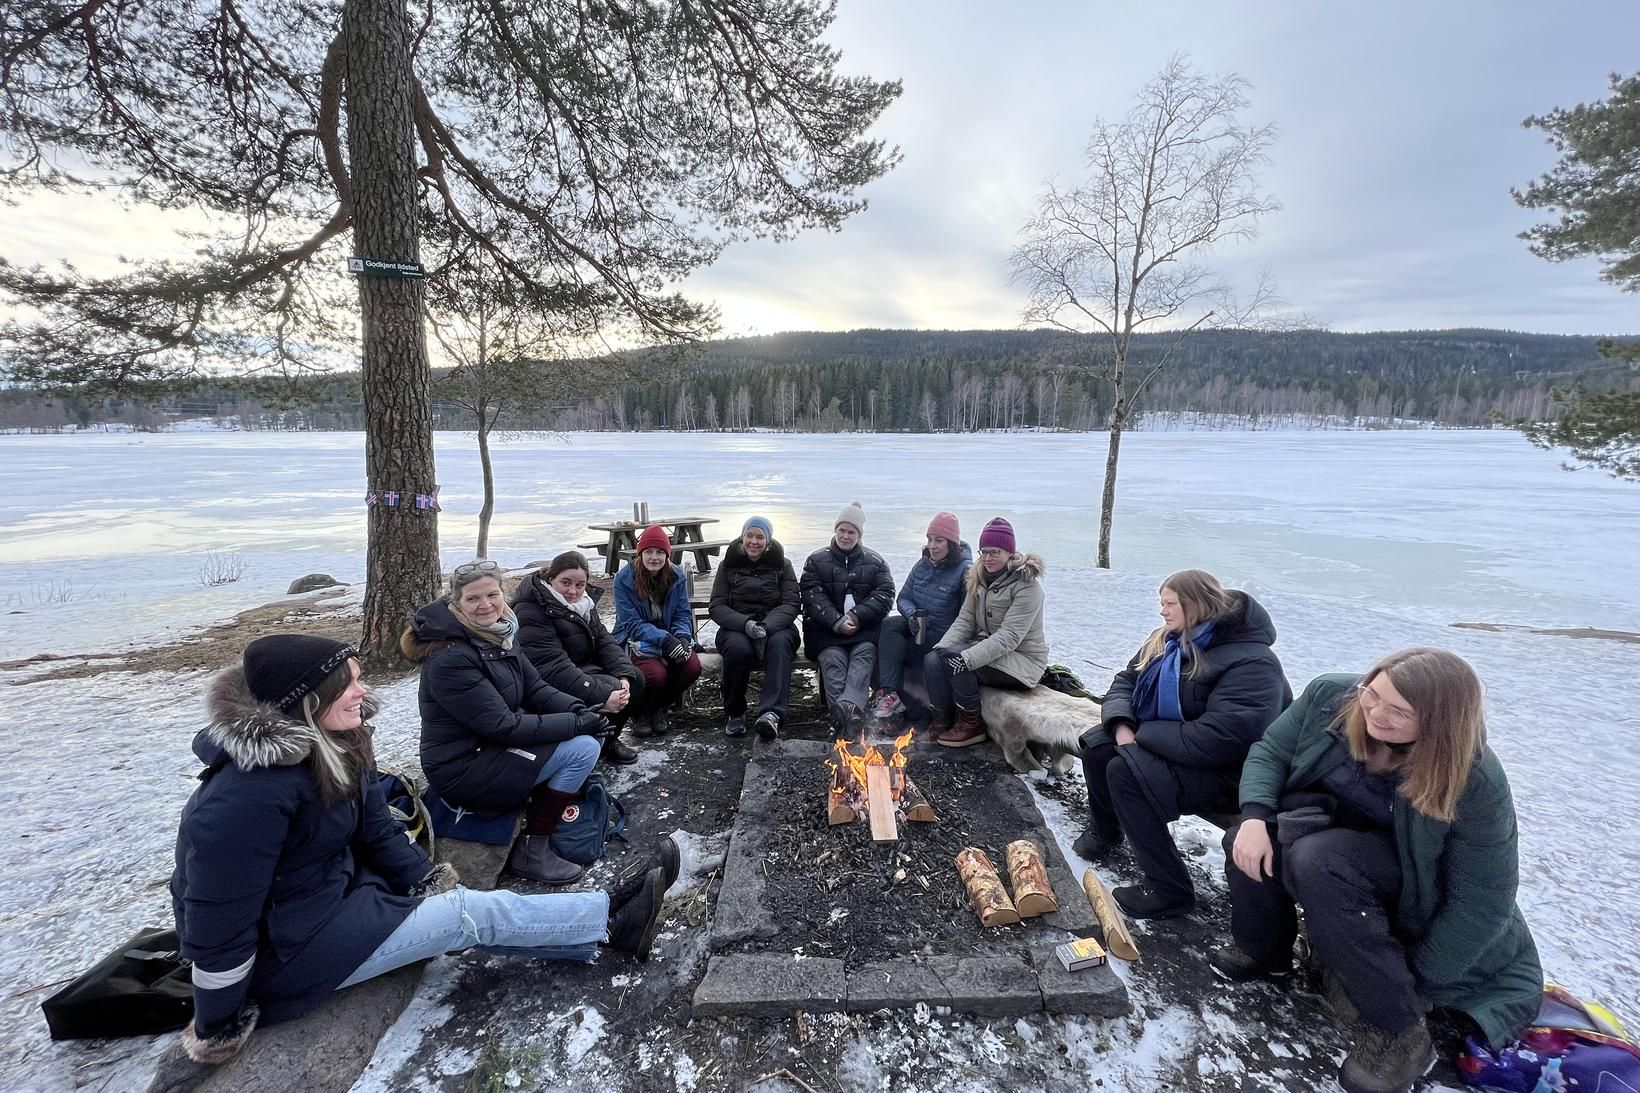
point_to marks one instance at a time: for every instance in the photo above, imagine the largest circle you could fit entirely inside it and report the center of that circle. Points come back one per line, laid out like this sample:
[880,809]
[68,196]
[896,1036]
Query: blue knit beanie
[761,523]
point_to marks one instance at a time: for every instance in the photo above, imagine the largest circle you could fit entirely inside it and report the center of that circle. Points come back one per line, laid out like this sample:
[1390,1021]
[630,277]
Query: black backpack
[140,989]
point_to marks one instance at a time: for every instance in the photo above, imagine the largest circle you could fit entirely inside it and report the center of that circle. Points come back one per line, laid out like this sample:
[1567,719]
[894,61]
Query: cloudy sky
[1399,137]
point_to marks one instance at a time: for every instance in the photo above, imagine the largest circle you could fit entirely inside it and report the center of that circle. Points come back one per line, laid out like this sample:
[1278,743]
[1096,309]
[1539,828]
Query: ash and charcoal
[835,892]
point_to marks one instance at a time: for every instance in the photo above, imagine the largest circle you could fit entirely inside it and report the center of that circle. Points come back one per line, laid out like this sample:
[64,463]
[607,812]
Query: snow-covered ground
[1358,543]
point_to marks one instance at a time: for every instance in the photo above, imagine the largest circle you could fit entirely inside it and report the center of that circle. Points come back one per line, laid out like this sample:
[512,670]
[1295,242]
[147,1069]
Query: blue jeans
[553,926]
[570,763]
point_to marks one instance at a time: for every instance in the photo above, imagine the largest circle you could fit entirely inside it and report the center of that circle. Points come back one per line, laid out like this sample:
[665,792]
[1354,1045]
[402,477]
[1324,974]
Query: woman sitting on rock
[1375,804]
[755,603]
[656,623]
[928,601]
[997,639]
[494,737]
[1177,724]
[560,631]
[292,879]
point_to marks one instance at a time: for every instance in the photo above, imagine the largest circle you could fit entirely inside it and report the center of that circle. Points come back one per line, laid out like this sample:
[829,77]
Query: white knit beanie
[852,514]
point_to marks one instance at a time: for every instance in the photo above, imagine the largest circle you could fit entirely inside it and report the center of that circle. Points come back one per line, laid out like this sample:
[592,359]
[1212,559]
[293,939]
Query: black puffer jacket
[763,591]
[574,655]
[1237,691]
[488,722]
[829,576]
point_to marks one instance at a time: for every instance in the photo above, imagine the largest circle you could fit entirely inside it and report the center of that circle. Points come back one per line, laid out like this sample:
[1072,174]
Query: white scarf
[582,607]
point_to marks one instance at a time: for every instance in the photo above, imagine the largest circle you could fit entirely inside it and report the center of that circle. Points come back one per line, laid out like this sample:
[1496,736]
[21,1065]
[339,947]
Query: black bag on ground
[142,988]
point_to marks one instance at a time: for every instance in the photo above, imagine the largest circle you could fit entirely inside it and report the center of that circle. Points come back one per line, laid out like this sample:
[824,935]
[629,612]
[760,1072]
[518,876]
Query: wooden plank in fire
[880,805]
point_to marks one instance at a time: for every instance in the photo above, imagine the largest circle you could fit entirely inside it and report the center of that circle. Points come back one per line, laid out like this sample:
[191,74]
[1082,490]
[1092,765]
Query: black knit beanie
[282,669]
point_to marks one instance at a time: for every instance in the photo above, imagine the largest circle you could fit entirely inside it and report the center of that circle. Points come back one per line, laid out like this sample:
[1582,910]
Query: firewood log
[1033,894]
[1117,939]
[985,891]
[915,805]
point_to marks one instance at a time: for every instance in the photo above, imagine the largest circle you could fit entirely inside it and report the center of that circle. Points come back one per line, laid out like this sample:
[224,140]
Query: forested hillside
[923,381]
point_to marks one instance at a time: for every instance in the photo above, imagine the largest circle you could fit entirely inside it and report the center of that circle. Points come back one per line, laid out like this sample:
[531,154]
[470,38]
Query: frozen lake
[1358,543]
[1441,526]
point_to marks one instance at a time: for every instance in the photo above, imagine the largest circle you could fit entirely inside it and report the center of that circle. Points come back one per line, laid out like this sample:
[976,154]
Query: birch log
[1117,939]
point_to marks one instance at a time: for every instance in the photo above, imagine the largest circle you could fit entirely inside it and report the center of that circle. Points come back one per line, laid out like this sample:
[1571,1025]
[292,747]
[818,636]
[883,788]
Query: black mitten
[590,723]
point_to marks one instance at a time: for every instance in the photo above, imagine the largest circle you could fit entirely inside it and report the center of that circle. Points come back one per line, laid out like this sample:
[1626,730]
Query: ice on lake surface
[1358,543]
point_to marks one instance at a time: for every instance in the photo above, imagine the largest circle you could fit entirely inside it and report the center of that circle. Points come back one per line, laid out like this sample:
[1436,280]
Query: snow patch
[586,1028]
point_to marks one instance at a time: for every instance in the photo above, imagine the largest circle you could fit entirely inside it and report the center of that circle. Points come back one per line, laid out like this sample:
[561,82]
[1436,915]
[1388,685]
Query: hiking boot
[643,724]
[617,752]
[632,928]
[768,725]
[533,857]
[1387,1062]
[968,730]
[658,721]
[852,717]
[667,858]
[736,726]
[1094,847]
[887,706]
[1233,964]
[939,722]
[1141,901]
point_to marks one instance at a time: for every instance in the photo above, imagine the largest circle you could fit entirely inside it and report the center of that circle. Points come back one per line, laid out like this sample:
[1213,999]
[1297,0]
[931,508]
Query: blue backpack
[588,822]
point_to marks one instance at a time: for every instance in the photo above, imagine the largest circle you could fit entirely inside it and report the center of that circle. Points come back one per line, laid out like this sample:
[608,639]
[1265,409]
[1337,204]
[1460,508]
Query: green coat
[1469,946]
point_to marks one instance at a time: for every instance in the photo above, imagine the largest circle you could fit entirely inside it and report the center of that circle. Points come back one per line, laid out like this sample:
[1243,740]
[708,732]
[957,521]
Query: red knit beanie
[653,536]
[999,533]
[945,526]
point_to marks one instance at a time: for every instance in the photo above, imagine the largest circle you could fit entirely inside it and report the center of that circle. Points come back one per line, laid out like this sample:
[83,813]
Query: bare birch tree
[1124,250]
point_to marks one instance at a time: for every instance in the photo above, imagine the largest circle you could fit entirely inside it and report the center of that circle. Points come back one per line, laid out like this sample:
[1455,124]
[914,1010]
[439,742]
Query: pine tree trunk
[402,564]
[488,510]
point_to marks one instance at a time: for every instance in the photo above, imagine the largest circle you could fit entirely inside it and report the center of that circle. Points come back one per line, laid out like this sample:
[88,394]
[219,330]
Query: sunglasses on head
[483,567]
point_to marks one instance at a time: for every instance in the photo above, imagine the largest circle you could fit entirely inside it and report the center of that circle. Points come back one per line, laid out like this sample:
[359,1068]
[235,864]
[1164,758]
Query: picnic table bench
[620,543]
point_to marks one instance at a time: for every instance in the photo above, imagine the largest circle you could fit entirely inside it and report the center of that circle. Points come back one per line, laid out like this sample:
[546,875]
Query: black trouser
[961,689]
[895,650]
[740,657]
[1348,883]
[1120,796]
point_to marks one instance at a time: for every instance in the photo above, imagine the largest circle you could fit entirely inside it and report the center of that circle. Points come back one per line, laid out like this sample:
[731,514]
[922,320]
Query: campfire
[867,785]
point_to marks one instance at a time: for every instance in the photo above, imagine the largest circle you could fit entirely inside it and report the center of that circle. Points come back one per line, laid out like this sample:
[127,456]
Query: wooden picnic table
[686,532]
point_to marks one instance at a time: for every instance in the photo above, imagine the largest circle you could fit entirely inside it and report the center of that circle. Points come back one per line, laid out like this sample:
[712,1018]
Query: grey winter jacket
[1004,620]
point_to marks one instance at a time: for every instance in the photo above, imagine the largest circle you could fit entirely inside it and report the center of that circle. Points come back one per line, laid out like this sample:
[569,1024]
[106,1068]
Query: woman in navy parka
[292,879]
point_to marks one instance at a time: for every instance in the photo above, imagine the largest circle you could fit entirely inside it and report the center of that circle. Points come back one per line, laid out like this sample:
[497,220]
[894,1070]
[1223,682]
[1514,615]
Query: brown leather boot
[968,730]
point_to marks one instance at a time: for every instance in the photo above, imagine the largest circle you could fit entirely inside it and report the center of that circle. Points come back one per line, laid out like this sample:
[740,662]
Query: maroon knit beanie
[945,526]
[999,533]
[654,536]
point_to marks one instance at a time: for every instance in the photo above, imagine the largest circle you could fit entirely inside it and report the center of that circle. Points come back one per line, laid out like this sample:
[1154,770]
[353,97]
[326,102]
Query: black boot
[632,928]
[1142,901]
[667,858]
[1233,964]
[617,752]
[1387,1062]
[1094,847]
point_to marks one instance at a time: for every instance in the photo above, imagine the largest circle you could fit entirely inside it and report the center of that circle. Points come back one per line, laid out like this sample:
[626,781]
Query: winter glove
[675,649]
[441,878]
[217,1049]
[590,723]
[756,631]
[957,664]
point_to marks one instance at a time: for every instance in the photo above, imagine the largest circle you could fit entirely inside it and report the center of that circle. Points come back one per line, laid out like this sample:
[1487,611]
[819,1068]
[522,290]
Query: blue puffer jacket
[279,897]
[937,589]
[637,621]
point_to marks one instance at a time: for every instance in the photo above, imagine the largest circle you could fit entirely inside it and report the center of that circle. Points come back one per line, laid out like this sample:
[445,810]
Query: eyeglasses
[1398,716]
[992,552]
[483,568]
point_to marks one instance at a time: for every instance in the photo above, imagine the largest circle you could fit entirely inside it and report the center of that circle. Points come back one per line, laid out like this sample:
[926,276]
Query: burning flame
[849,769]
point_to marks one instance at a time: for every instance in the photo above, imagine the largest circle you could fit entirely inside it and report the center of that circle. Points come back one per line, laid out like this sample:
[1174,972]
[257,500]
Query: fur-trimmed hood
[251,733]
[1027,567]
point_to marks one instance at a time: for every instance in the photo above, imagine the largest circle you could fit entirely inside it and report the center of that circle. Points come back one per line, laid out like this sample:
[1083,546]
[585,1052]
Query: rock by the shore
[311,583]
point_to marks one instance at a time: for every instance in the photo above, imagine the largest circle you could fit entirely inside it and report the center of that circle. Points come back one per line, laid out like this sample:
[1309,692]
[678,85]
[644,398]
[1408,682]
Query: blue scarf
[1156,691]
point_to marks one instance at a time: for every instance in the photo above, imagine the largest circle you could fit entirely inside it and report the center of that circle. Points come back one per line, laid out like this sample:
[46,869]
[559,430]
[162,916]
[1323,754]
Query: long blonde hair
[339,758]
[1445,693]
[1202,597]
